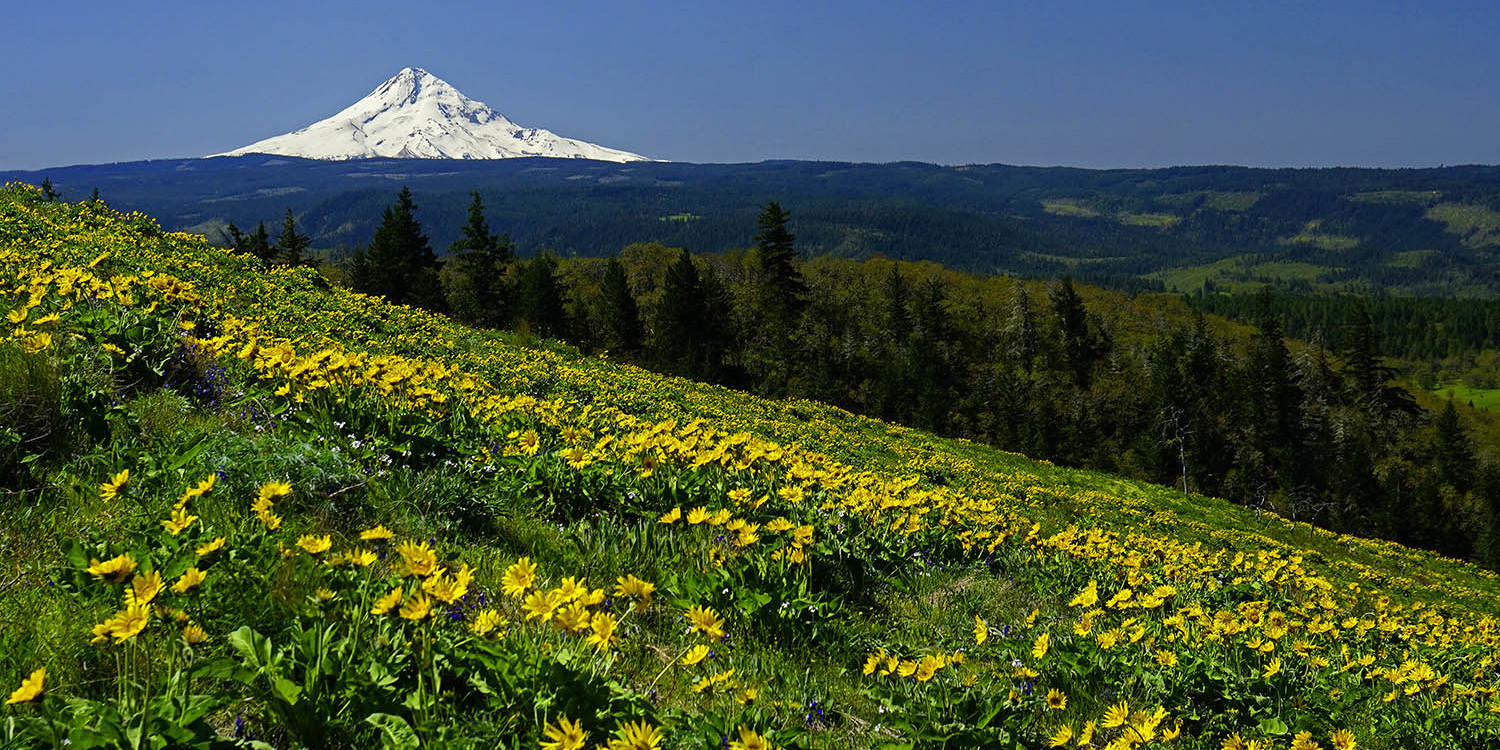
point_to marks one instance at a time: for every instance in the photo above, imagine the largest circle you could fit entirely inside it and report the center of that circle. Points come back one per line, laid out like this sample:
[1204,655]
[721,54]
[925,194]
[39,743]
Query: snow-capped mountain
[417,115]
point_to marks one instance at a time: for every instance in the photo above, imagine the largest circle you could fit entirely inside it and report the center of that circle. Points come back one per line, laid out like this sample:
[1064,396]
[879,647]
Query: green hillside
[246,508]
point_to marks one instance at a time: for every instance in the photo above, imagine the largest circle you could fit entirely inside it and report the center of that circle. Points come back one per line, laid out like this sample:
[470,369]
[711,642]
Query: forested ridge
[1427,232]
[1147,385]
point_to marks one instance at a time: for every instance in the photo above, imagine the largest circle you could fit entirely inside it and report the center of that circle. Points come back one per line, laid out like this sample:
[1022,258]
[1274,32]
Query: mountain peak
[415,114]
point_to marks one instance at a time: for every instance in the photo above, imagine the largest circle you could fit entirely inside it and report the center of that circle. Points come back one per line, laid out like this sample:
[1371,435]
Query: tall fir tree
[1274,405]
[619,315]
[783,291]
[539,299]
[780,299]
[403,268]
[679,318]
[1077,343]
[292,245]
[1023,342]
[259,244]
[474,279]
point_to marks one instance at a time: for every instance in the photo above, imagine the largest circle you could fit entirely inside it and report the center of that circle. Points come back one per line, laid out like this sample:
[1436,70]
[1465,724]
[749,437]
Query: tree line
[1143,386]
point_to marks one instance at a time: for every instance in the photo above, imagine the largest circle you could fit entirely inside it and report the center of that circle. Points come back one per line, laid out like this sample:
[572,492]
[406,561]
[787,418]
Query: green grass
[1476,225]
[1217,200]
[1399,197]
[1409,258]
[1484,399]
[1239,273]
[1160,221]
[1068,207]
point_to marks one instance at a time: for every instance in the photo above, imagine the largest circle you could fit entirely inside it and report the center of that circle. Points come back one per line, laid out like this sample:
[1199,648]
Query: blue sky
[1106,84]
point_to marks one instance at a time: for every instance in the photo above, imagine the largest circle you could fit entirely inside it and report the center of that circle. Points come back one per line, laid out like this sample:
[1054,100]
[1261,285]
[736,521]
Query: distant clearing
[1477,225]
[1311,236]
[1217,200]
[1240,273]
[1399,197]
[1484,399]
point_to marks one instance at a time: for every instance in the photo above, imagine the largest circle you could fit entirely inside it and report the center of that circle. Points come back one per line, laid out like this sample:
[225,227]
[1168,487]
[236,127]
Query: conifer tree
[679,315]
[619,314]
[474,279]
[476,237]
[259,244]
[400,256]
[539,298]
[1021,337]
[1078,345]
[897,316]
[235,237]
[291,244]
[49,193]
[1452,451]
[1274,403]
[783,291]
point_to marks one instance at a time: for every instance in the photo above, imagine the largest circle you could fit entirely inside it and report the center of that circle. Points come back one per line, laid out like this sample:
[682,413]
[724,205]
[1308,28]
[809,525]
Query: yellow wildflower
[111,489]
[315,545]
[1061,736]
[1039,647]
[519,577]
[114,570]
[143,588]
[564,735]
[386,603]
[188,580]
[31,687]
[696,654]
[603,626]
[417,559]
[416,608]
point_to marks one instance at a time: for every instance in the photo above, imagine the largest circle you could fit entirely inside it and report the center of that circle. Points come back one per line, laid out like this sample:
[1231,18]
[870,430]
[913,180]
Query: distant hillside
[1421,231]
[200,458]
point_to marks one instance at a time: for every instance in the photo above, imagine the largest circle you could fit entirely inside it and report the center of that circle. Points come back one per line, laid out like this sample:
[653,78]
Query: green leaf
[395,733]
[1273,726]
[254,647]
[286,690]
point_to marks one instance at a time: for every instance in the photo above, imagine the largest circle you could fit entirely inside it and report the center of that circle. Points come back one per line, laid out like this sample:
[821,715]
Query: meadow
[246,508]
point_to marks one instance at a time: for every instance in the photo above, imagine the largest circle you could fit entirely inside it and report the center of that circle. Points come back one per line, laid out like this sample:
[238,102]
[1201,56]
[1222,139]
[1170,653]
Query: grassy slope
[1143,527]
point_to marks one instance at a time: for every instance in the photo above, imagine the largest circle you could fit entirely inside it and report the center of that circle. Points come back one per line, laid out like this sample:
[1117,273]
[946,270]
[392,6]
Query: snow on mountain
[417,115]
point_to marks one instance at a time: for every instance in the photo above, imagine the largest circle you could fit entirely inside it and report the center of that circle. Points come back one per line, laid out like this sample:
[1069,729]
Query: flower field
[244,508]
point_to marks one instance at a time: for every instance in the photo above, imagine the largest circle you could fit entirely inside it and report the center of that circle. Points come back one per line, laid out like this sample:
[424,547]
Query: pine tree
[1078,345]
[1452,451]
[783,291]
[234,237]
[476,237]
[291,244]
[259,244]
[1368,375]
[679,315]
[399,256]
[49,193]
[897,298]
[539,297]
[1273,403]
[474,279]
[619,314]
[1021,337]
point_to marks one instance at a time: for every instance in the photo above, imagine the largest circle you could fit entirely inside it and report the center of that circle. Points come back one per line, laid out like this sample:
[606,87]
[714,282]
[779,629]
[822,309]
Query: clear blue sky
[1095,84]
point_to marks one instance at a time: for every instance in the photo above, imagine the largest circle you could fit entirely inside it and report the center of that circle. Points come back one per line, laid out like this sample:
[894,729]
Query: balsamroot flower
[30,688]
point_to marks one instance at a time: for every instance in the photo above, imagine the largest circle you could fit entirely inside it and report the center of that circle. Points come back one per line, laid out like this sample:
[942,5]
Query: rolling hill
[381,528]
